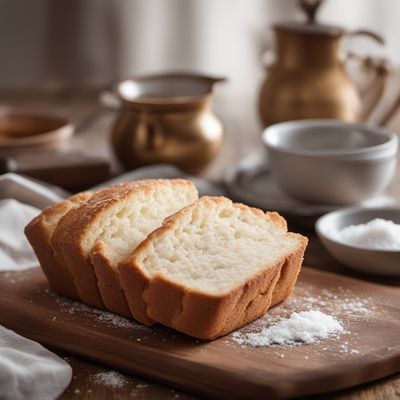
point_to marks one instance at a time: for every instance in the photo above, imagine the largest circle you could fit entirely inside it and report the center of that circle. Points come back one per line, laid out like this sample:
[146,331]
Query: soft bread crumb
[215,246]
[141,214]
[122,225]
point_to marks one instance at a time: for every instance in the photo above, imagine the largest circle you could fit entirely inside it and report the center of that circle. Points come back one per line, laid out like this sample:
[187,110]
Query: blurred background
[89,43]
[56,54]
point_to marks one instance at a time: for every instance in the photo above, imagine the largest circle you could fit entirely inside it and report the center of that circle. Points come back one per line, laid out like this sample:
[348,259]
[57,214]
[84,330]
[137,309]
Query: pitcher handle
[364,32]
[379,67]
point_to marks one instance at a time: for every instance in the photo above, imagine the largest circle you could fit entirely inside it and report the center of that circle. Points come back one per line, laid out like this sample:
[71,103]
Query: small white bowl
[361,259]
[330,161]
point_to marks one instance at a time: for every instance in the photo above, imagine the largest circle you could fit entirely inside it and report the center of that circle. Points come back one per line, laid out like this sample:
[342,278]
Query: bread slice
[150,205]
[212,267]
[95,237]
[39,232]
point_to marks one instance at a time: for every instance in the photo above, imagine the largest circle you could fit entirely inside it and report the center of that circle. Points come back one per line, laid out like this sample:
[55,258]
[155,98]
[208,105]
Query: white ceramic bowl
[330,161]
[362,259]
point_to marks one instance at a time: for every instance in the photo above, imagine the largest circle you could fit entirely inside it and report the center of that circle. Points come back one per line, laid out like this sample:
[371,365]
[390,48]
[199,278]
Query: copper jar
[167,119]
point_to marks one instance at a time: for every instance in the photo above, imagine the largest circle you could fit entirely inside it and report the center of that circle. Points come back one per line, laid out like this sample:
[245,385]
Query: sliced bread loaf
[39,232]
[212,267]
[95,237]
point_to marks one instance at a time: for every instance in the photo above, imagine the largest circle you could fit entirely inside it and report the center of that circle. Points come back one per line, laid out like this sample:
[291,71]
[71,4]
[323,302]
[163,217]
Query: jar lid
[310,28]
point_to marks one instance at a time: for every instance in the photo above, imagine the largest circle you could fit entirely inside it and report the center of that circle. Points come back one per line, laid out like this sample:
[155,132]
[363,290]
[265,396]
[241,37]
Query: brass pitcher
[309,78]
[167,119]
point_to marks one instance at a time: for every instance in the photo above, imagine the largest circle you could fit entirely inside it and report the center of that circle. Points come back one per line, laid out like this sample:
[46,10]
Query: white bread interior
[121,228]
[215,246]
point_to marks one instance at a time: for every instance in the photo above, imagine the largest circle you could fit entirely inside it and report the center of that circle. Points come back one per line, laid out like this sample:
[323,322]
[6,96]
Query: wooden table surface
[242,138]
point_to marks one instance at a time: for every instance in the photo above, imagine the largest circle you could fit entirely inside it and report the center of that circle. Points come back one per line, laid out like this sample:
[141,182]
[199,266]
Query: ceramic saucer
[251,182]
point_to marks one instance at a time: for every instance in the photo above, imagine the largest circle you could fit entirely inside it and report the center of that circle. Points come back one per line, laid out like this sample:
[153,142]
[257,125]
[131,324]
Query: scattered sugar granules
[301,327]
[104,317]
[376,234]
[345,349]
[339,303]
[142,386]
[110,378]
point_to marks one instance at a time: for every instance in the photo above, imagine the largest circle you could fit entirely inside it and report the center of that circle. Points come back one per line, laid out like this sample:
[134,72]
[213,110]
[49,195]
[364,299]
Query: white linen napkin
[20,201]
[29,191]
[15,252]
[27,370]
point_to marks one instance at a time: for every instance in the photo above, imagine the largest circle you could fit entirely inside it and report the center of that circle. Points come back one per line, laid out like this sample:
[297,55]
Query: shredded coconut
[375,234]
[110,378]
[304,327]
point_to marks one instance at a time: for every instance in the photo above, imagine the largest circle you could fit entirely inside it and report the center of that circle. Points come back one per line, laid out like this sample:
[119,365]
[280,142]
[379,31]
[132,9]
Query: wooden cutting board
[223,368]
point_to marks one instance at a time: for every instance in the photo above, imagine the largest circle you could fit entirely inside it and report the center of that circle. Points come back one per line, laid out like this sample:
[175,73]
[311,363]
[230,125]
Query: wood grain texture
[230,370]
[86,385]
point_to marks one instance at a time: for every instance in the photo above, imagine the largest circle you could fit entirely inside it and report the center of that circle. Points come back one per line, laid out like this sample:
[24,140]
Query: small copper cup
[167,118]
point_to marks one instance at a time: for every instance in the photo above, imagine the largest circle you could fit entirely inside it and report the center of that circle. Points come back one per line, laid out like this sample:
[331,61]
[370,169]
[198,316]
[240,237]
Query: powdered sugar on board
[325,321]
[98,317]
[322,319]
[94,317]
[111,379]
[301,327]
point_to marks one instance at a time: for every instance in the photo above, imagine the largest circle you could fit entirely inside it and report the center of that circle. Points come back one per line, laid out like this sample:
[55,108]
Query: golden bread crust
[38,236]
[108,281]
[289,272]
